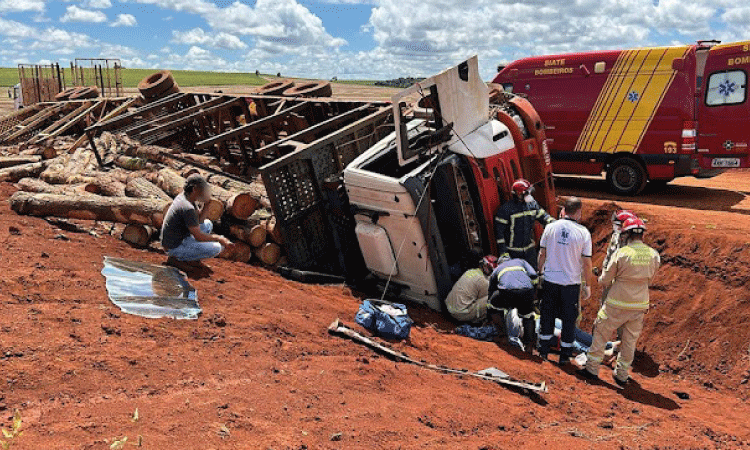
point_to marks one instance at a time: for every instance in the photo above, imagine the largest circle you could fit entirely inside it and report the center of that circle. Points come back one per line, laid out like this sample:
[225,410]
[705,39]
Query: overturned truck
[402,194]
[413,210]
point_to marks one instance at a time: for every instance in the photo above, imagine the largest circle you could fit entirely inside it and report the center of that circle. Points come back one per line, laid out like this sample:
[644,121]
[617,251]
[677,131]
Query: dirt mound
[697,327]
[258,369]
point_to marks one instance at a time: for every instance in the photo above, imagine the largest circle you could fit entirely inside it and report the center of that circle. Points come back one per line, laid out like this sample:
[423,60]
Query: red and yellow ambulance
[647,114]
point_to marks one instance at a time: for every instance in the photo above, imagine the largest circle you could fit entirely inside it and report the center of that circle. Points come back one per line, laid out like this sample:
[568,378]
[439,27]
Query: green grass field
[185,78]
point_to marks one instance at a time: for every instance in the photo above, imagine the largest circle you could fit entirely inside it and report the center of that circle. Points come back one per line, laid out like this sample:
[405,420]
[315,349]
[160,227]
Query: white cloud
[216,40]
[21,5]
[101,4]
[124,20]
[76,14]
[279,25]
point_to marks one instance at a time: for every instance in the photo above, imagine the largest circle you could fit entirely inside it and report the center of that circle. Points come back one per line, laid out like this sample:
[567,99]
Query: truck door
[724,111]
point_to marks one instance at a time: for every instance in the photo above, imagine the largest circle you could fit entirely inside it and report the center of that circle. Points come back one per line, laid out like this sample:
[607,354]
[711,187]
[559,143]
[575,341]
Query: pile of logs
[136,189]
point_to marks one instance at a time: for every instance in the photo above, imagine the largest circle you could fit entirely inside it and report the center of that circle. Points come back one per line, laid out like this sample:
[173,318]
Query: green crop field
[185,78]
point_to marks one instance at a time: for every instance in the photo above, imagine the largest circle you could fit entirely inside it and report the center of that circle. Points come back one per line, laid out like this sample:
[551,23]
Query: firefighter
[627,276]
[615,242]
[514,223]
[467,301]
[512,294]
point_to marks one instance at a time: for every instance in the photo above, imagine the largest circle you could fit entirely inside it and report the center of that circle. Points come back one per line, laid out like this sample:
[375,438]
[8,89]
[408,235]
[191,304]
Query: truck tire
[84,93]
[65,95]
[275,88]
[314,89]
[626,176]
[156,84]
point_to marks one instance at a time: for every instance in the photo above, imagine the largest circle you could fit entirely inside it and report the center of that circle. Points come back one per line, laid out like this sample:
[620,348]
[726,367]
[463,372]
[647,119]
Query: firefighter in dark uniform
[514,223]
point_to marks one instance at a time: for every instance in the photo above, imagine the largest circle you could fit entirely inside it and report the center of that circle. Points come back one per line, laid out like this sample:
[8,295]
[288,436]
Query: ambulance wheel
[626,176]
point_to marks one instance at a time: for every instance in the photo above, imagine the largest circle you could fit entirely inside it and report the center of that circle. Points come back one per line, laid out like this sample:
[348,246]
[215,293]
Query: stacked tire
[311,89]
[78,93]
[275,88]
[158,85]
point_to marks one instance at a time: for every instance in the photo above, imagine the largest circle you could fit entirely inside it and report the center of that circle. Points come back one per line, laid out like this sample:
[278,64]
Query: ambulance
[641,115]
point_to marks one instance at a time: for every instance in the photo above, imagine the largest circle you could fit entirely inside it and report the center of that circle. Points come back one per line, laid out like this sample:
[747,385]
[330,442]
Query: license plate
[725,162]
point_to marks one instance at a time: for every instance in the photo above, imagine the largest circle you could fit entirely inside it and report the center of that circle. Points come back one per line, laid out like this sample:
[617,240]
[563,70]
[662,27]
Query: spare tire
[156,84]
[84,93]
[65,95]
[311,89]
[174,89]
[275,88]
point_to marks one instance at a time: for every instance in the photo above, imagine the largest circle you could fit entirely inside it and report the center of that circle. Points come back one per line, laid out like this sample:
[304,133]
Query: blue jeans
[192,250]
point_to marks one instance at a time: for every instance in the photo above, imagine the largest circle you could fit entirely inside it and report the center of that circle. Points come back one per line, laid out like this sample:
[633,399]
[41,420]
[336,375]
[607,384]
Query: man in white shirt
[565,259]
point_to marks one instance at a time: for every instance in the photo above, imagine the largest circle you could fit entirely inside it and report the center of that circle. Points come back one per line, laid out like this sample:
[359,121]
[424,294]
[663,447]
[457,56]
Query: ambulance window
[726,88]
[508,87]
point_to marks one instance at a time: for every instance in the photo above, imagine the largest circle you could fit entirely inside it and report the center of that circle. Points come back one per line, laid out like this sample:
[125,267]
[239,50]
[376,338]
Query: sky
[349,39]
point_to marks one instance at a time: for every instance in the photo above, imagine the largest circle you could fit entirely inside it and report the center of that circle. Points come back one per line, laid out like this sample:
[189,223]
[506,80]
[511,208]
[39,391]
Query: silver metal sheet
[149,290]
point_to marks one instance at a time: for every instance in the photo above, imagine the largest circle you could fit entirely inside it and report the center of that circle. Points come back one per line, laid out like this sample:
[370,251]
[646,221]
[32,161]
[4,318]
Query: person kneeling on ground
[186,234]
[467,301]
[512,288]
[628,276]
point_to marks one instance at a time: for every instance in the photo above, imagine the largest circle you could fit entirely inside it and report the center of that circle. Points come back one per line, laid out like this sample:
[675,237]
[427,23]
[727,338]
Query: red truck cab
[648,114]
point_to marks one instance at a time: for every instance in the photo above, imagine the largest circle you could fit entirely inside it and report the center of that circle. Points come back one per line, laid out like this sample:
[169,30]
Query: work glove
[586,293]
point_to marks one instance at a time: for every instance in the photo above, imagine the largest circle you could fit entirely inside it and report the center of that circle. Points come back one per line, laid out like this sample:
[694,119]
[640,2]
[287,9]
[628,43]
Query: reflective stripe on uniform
[594,359]
[546,337]
[627,305]
[499,220]
[522,249]
[513,218]
[566,344]
[510,269]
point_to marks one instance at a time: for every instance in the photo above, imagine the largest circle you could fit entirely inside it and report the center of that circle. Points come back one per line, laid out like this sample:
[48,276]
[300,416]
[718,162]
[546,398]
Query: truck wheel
[626,176]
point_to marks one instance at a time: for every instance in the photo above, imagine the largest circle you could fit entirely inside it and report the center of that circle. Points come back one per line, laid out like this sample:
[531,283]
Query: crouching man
[467,301]
[186,234]
[512,293]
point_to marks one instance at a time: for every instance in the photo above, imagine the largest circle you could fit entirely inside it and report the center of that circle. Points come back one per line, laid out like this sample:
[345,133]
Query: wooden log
[137,235]
[213,210]
[130,163]
[239,251]
[69,168]
[15,173]
[269,254]
[253,235]
[274,231]
[257,190]
[140,187]
[90,207]
[170,182]
[12,161]
[107,186]
[238,205]
[38,186]
[47,152]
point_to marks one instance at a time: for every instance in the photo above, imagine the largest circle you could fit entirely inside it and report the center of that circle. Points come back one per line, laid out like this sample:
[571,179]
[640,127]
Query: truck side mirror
[678,63]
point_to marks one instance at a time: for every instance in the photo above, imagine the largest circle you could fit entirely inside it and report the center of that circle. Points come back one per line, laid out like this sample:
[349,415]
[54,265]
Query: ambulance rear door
[724,110]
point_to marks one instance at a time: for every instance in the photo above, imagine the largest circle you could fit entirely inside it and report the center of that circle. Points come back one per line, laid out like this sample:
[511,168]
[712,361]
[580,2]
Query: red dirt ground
[259,371]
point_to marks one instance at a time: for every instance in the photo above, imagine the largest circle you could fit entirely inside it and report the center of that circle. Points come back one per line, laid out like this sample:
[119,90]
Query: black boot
[529,334]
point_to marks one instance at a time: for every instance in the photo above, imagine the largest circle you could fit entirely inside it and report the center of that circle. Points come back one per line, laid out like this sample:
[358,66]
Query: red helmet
[634,225]
[622,215]
[521,186]
[490,260]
